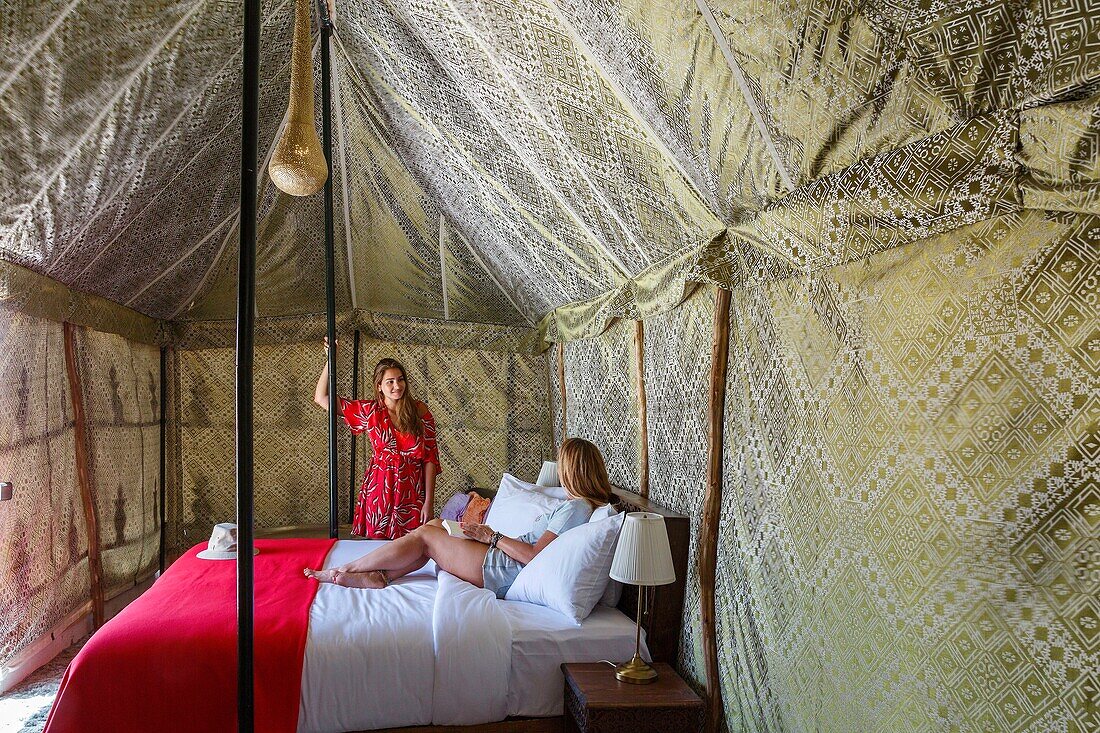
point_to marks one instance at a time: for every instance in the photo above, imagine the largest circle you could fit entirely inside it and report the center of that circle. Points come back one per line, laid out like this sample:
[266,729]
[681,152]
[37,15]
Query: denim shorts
[499,571]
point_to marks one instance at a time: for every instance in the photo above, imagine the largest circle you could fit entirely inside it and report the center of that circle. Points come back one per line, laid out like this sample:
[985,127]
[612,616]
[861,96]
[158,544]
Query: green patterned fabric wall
[490,406]
[553,386]
[911,507]
[600,386]
[44,556]
[291,440]
[121,383]
[911,495]
[677,379]
[601,402]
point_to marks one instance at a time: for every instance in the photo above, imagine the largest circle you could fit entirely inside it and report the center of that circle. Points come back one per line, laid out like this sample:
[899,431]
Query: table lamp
[642,558]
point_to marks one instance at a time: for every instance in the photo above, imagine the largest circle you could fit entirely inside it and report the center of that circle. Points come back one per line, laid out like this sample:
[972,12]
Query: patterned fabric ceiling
[496,161]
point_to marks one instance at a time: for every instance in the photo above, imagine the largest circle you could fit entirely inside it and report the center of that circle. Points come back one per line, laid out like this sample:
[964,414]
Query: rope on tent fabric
[746,92]
[83,475]
[643,430]
[712,505]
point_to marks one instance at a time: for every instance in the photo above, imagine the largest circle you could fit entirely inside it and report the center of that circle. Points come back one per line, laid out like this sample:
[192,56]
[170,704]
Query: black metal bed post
[163,554]
[330,265]
[354,396]
[246,309]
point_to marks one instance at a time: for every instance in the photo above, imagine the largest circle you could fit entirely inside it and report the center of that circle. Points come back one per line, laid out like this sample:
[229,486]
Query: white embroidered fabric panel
[600,395]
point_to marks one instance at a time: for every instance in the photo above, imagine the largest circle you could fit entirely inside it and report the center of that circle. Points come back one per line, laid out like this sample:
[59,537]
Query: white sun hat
[223,543]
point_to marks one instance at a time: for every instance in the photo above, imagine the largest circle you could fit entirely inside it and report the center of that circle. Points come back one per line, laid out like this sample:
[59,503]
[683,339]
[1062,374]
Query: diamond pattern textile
[121,382]
[45,539]
[677,379]
[490,408]
[907,488]
[291,440]
[600,392]
[902,198]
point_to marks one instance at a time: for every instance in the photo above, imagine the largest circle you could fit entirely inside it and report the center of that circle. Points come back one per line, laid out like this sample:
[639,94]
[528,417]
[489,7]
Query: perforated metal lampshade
[298,166]
[643,556]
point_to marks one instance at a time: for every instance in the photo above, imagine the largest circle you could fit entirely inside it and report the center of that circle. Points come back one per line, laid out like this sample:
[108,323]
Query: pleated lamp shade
[643,556]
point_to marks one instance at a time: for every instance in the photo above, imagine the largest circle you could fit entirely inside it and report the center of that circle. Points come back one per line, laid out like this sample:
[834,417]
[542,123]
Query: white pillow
[515,507]
[602,512]
[614,590]
[612,594]
[554,492]
[571,573]
[548,476]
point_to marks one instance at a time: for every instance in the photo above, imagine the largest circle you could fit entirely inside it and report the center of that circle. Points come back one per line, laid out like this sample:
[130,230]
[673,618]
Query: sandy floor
[24,709]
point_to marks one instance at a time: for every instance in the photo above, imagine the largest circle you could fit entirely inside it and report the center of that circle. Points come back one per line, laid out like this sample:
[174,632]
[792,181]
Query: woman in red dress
[398,490]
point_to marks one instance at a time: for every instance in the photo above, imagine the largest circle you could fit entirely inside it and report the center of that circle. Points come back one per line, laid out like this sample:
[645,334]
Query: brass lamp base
[636,672]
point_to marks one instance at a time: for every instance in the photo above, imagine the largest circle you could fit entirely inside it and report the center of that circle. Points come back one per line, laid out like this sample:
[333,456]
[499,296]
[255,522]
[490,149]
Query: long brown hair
[582,471]
[408,414]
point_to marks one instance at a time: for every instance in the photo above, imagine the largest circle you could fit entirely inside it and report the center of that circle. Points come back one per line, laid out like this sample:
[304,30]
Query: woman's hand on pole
[320,392]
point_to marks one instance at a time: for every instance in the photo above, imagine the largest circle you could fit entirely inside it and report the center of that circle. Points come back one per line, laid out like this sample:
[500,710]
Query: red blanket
[168,662]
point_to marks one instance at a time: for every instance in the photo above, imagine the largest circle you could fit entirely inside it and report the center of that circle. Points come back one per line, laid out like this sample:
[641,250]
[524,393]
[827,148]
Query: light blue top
[499,570]
[565,517]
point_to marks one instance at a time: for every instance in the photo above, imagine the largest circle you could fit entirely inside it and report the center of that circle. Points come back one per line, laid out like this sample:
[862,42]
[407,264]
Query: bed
[429,651]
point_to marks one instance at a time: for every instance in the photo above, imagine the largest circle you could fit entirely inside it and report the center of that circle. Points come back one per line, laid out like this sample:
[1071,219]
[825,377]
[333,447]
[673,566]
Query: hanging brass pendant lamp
[298,166]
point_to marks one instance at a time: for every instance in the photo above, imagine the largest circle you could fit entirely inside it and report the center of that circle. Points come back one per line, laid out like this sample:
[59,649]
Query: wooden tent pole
[712,505]
[246,326]
[163,494]
[83,474]
[643,430]
[330,265]
[561,387]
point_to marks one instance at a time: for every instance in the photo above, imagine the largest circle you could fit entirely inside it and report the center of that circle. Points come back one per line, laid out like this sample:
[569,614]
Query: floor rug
[24,708]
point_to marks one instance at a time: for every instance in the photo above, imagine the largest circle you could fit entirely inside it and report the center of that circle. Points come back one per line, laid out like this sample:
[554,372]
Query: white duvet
[432,649]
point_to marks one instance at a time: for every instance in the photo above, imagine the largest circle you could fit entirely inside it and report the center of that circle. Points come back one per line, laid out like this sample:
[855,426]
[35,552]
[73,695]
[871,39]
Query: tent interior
[554,213]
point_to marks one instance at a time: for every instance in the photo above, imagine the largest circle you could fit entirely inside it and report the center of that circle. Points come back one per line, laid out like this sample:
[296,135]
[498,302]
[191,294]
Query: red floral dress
[392,494]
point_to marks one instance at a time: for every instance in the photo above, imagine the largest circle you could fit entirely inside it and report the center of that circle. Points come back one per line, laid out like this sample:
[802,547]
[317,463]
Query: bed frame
[662,621]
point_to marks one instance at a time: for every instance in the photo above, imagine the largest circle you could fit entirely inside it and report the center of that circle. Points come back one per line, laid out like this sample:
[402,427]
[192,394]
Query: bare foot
[372,579]
[321,576]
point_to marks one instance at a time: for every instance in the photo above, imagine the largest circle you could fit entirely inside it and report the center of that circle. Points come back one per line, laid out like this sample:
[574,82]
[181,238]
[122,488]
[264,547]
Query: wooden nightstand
[596,702]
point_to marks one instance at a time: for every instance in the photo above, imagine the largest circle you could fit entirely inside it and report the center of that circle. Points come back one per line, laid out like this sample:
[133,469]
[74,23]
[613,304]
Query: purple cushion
[455,506]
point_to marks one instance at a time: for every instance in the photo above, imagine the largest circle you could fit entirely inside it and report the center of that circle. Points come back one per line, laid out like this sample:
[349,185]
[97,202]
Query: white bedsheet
[370,656]
[473,655]
[542,639]
[418,652]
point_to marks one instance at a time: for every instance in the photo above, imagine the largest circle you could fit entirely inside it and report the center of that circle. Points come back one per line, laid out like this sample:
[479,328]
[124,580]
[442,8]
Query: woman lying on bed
[487,559]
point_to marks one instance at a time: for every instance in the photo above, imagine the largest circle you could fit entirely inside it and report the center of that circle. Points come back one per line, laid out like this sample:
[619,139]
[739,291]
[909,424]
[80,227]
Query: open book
[454,529]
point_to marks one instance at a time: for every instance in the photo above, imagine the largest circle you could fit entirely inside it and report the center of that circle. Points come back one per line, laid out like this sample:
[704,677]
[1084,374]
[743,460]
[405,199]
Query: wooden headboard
[665,613]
